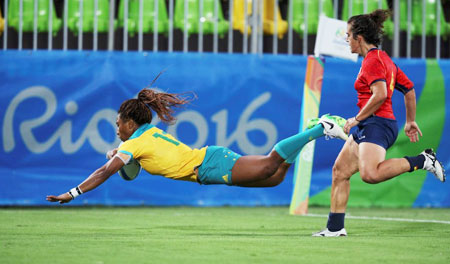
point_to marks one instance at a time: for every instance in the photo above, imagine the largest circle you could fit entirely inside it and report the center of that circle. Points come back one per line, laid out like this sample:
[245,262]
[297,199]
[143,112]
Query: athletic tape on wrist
[75,192]
[71,195]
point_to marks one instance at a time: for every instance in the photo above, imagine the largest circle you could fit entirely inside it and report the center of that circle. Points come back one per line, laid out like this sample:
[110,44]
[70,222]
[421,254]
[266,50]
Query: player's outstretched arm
[92,182]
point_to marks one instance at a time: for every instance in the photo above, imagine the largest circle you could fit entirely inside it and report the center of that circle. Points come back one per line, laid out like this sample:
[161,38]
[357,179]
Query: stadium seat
[298,19]
[358,9]
[430,19]
[268,18]
[148,16]
[208,17]
[404,17]
[194,19]
[2,23]
[88,15]
[28,16]
[239,15]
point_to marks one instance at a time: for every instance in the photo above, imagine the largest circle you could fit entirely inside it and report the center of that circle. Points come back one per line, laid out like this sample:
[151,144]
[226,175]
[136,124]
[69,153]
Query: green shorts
[217,165]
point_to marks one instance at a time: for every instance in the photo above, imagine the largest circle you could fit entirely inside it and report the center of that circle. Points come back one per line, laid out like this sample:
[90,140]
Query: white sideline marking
[387,219]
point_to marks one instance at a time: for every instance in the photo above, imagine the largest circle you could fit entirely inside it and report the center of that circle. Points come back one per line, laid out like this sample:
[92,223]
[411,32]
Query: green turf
[216,235]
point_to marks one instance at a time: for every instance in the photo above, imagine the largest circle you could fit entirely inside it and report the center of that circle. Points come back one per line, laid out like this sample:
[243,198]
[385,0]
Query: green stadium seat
[404,16]
[148,16]
[209,18]
[28,16]
[193,19]
[298,19]
[73,20]
[358,9]
[2,23]
[430,19]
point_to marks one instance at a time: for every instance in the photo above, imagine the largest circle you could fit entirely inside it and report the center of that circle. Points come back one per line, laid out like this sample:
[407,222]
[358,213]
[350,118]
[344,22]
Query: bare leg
[368,158]
[249,169]
[374,168]
[270,170]
[371,164]
[274,180]
[344,167]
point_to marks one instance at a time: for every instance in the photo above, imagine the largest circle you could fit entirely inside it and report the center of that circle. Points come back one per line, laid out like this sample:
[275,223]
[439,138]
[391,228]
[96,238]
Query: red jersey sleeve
[403,83]
[374,71]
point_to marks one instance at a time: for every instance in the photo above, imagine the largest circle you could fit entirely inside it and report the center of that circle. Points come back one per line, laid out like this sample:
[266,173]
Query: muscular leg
[270,170]
[274,180]
[368,158]
[344,167]
[249,169]
[374,168]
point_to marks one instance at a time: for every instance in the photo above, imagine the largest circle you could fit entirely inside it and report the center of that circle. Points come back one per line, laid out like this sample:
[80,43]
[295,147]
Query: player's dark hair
[369,26]
[139,110]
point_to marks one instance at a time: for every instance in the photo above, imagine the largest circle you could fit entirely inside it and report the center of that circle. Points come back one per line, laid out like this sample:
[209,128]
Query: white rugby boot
[328,233]
[333,126]
[432,165]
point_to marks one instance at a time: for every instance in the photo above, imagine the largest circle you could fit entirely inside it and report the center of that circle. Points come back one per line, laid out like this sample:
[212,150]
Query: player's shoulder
[377,59]
[140,135]
[143,130]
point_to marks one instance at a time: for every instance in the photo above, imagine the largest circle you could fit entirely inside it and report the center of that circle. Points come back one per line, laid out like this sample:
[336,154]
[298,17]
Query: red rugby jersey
[377,66]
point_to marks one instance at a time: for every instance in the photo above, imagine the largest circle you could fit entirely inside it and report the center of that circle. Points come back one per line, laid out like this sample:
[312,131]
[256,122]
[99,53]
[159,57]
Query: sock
[335,221]
[289,148]
[415,162]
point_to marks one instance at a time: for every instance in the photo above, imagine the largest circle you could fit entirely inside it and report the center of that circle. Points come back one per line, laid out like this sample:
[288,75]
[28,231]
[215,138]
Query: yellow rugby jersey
[160,153]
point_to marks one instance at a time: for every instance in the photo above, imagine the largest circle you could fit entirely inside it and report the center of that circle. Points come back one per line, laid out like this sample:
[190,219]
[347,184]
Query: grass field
[217,235]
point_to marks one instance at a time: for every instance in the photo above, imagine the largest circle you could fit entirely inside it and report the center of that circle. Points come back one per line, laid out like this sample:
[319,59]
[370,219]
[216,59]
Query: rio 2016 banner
[58,113]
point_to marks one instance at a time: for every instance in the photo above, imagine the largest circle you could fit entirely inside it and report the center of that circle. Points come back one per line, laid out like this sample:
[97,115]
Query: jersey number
[158,135]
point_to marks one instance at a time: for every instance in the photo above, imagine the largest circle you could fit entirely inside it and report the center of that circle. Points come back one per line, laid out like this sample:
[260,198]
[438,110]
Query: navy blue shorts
[377,130]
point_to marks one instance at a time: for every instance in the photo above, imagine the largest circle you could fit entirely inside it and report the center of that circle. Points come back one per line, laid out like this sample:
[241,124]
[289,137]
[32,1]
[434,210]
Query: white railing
[252,38]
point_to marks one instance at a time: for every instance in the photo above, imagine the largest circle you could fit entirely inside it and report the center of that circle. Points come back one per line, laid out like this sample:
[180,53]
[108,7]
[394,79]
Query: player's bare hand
[412,131]
[62,198]
[111,153]
[351,122]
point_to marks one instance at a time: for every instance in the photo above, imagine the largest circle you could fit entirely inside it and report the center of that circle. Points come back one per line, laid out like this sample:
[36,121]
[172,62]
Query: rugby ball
[131,170]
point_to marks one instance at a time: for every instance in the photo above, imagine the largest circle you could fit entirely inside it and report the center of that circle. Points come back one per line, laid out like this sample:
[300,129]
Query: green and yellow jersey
[160,153]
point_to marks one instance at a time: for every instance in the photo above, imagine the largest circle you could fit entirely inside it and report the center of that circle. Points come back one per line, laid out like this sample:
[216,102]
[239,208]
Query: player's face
[125,129]
[353,43]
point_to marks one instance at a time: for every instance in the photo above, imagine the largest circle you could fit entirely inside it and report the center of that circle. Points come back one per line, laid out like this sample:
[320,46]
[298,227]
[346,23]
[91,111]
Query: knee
[268,170]
[269,167]
[276,180]
[368,176]
[339,173]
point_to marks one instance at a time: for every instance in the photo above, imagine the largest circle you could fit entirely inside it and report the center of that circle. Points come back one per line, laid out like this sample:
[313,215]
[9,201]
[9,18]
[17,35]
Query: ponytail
[139,110]
[163,103]
[369,26]
[379,16]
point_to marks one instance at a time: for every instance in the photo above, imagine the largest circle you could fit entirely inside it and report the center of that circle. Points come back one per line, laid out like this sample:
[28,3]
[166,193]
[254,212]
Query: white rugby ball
[131,170]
